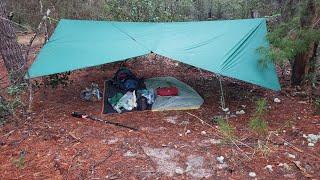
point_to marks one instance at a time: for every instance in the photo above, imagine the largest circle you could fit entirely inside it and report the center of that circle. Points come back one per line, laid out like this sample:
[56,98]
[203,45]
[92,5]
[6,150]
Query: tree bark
[10,50]
[301,64]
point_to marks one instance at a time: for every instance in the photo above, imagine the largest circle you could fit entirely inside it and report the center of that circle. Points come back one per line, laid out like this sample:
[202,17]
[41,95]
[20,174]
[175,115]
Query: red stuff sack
[167,91]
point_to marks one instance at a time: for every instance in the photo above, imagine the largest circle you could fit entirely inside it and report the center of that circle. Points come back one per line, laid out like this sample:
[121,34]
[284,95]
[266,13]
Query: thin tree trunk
[10,49]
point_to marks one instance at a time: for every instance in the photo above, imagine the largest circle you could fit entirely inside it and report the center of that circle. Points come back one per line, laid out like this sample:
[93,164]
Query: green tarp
[228,48]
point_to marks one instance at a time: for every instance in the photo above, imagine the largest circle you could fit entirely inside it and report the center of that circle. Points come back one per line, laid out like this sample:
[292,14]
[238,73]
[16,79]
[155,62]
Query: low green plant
[226,129]
[20,162]
[56,80]
[15,90]
[12,102]
[263,148]
[259,126]
[257,123]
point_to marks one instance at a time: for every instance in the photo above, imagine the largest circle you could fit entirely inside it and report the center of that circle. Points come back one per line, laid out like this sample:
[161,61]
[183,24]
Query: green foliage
[146,10]
[56,80]
[290,38]
[17,89]
[13,101]
[226,129]
[257,123]
[20,162]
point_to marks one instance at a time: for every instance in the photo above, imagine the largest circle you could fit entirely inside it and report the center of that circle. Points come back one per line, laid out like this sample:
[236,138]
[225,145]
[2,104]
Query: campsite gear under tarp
[85,116]
[168,91]
[125,79]
[187,99]
[111,91]
[126,102]
[91,93]
[229,47]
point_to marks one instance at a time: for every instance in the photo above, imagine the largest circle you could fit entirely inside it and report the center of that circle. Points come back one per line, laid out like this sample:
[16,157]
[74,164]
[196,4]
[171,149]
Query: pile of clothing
[131,92]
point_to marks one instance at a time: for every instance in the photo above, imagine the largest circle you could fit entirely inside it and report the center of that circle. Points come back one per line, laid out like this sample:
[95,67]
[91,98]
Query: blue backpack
[124,79]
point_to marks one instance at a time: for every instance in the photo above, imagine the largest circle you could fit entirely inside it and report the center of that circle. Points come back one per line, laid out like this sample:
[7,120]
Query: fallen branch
[220,135]
[96,164]
[302,169]
[295,148]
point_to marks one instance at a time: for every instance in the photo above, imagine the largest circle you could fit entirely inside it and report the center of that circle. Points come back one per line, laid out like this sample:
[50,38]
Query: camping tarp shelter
[229,48]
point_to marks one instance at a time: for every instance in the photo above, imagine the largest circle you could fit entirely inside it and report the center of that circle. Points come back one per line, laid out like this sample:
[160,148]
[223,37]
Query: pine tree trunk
[301,64]
[10,49]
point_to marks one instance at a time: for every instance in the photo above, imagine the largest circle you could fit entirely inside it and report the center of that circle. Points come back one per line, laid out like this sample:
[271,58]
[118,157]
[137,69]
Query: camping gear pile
[125,93]
[91,93]
[131,92]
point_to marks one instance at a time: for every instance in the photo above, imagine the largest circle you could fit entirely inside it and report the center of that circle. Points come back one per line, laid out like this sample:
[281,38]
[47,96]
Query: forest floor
[50,144]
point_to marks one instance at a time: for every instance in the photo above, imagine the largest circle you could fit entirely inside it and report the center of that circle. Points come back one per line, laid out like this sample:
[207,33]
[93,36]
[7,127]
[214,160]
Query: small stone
[215,141]
[277,100]
[269,168]
[291,155]
[311,144]
[240,112]
[220,159]
[252,174]
[285,143]
[179,170]
[222,166]
[187,132]
[284,165]
[180,134]
[129,154]
[225,109]
[203,133]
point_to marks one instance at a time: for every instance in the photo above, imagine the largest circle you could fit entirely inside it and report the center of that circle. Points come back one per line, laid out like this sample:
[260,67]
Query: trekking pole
[85,116]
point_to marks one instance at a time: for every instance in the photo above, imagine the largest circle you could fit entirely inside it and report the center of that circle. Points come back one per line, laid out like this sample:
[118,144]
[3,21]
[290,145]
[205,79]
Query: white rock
[203,133]
[277,100]
[179,170]
[252,174]
[291,155]
[313,138]
[269,168]
[240,112]
[187,132]
[220,159]
[225,109]
[222,166]
[310,144]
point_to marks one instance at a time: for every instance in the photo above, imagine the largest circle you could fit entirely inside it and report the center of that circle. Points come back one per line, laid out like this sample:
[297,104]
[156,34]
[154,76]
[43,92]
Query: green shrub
[257,123]
[226,129]
[259,126]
